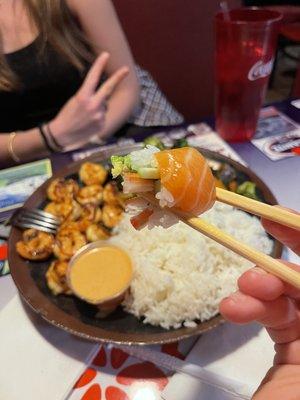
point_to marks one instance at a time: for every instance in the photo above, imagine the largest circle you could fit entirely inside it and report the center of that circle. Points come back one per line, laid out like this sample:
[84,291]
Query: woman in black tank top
[50,96]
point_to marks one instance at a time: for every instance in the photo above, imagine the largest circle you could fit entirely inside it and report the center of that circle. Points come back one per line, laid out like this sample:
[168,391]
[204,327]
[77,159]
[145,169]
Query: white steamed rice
[180,275]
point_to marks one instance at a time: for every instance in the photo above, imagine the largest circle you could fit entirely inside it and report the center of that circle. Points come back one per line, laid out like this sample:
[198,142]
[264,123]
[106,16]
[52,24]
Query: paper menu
[18,183]
[277,136]
[203,136]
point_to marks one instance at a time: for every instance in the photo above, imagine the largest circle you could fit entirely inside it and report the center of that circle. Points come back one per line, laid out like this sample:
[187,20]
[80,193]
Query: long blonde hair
[56,26]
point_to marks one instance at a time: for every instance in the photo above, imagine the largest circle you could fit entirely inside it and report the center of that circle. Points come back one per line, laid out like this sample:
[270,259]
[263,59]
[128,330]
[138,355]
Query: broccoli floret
[127,162]
[120,164]
[180,143]
[248,189]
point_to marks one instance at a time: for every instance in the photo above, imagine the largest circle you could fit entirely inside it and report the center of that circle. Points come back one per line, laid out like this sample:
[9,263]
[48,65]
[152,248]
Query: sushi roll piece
[180,179]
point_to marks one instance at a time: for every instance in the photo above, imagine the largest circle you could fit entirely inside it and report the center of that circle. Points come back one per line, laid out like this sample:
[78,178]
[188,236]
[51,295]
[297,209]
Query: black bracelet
[45,139]
[58,147]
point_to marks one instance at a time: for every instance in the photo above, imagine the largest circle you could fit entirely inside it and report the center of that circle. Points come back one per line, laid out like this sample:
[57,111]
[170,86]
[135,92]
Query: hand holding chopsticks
[266,262]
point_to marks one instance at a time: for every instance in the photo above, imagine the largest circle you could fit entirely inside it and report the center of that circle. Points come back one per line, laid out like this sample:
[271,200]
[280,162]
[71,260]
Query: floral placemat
[114,375]
[4,268]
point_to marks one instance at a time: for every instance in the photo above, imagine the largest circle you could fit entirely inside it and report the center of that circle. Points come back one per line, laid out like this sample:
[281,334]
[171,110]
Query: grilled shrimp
[92,174]
[91,214]
[111,194]
[92,194]
[96,232]
[56,278]
[70,210]
[67,243]
[111,215]
[35,245]
[61,190]
[67,227]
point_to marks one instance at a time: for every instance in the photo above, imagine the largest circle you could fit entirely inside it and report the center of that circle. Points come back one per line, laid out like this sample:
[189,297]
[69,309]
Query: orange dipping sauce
[99,274]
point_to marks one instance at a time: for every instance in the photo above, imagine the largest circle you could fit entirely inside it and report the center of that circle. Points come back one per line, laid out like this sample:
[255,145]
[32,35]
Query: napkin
[38,360]
[236,353]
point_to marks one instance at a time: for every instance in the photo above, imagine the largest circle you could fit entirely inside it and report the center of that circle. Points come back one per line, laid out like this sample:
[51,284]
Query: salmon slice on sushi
[180,179]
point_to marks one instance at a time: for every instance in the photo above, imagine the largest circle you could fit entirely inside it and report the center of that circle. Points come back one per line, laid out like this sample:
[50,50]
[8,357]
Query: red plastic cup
[246,40]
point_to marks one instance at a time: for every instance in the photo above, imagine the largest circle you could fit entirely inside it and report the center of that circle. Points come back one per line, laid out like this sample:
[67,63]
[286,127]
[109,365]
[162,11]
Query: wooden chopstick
[276,214]
[266,262]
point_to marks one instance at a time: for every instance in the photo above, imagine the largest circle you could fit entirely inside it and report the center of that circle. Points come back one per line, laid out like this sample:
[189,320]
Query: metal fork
[37,219]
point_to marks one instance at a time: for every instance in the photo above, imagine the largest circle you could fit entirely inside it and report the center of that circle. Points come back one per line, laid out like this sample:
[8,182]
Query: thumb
[288,236]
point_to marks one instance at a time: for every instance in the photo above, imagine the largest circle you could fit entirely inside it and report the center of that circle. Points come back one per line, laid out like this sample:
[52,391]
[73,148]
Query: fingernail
[228,300]
[259,271]
[236,297]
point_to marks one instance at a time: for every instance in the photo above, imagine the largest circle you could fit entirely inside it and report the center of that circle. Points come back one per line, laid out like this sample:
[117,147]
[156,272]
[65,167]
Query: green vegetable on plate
[248,189]
[180,143]
[120,164]
[154,141]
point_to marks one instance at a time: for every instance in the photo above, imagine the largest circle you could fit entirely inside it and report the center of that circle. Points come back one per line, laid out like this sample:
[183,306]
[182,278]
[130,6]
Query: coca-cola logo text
[260,70]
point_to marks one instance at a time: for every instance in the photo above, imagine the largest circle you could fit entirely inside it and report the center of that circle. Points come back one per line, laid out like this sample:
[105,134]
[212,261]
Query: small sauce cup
[100,273]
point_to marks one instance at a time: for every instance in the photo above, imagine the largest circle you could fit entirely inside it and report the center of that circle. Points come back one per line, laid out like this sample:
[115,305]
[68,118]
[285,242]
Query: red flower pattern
[132,373]
[172,350]
[93,393]
[114,393]
[142,372]
[118,357]
[100,359]
[86,378]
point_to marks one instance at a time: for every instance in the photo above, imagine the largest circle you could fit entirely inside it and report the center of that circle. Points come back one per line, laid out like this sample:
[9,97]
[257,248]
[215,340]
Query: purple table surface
[282,177]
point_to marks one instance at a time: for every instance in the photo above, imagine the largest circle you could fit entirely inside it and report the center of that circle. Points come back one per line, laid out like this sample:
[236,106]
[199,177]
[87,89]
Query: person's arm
[25,146]
[101,26]
[264,298]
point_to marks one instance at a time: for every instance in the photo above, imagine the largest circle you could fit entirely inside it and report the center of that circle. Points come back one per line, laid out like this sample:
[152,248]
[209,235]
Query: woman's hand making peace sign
[83,116]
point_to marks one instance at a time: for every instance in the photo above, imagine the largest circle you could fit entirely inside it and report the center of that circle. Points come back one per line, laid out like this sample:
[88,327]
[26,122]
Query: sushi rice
[180,275]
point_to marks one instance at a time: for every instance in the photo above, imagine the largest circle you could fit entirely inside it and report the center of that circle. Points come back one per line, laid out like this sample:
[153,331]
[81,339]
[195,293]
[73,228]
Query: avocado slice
[148,173]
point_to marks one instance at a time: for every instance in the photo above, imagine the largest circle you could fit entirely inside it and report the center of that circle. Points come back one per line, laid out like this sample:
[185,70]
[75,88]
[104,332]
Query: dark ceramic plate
[77,317]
